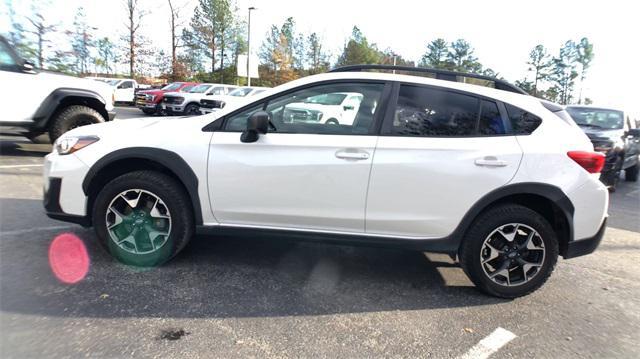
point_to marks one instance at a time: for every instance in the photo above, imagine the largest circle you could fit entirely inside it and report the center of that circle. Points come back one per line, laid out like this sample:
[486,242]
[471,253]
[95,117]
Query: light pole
[249,46]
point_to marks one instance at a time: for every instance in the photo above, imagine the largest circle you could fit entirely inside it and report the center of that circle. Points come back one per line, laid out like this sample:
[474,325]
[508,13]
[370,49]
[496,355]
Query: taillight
[590,161]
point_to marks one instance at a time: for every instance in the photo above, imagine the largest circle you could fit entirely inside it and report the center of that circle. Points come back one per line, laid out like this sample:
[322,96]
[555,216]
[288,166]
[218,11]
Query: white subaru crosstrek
[499,179]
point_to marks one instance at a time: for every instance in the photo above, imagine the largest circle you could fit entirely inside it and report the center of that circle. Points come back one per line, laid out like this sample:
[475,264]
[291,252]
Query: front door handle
[490,161]
[352,155]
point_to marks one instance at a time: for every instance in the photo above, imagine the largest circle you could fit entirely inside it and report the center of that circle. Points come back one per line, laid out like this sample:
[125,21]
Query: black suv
[611,134]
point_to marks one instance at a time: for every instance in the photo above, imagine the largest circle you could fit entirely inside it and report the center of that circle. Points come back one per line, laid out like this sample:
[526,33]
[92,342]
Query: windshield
[199,89]
[240,92]
[112,82]
[599,118]
[172,87]
[327,99]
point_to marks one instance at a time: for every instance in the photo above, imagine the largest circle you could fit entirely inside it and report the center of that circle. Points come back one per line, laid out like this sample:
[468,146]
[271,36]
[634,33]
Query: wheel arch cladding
[547,200]
[64,97]
[130,159]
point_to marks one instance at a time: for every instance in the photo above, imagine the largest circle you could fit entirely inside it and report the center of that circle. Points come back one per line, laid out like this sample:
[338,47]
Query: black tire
[72,117]
[473,241]
[148,111]
[332,121]
[174,197]
[192,109]
[631,173]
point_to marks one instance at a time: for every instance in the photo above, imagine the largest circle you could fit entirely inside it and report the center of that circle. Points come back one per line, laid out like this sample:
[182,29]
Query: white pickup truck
[233,98]
[331,108]
[124,89]
[39,102]
[188,102]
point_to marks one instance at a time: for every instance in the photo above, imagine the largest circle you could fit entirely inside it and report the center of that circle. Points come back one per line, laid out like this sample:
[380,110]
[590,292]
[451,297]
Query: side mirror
[28,67]
[634,132]
[257,124]
[348,107]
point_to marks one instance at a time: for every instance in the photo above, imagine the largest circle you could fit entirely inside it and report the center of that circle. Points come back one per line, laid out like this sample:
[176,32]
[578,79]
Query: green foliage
[460,57]
[540,63]
[359,51]
[584,57]
[317,58]
[107,57]
[436,55]
[81,41]
[565,71]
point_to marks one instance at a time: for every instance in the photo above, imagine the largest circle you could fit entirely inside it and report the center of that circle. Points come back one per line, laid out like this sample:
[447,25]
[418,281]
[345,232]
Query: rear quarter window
[522,122]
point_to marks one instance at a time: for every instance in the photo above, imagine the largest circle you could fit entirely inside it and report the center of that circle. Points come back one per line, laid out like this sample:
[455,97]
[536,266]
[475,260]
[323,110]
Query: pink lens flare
[68,258]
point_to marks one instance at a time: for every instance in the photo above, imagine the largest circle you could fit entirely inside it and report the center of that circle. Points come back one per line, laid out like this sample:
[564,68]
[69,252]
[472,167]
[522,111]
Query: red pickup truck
[149,101]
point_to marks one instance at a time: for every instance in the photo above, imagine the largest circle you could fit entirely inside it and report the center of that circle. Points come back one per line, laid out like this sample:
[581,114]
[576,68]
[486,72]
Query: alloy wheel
[138,221]
[512,254]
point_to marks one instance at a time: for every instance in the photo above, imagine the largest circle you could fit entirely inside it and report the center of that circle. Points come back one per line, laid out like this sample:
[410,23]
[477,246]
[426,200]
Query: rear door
[303,173]
[439,152]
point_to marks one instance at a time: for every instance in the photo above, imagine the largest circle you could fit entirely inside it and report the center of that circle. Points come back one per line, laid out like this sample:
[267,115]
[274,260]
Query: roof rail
[439,74]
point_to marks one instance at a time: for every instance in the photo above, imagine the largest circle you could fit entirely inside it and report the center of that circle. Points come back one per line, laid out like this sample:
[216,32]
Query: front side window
[217,91]
[241,92]
[423,111]
[127,85]
[320,109]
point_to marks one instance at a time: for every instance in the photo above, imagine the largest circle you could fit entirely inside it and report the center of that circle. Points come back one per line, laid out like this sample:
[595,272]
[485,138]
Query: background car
[611,134]
[150,101]
[233,98]
[188,102]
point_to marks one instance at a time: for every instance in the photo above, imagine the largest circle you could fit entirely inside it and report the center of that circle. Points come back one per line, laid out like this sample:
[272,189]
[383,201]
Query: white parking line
[18,166]
[25,231]
[489,345]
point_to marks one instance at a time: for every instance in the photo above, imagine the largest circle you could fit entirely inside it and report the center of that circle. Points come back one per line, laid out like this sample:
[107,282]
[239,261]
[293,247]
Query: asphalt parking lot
[238,298]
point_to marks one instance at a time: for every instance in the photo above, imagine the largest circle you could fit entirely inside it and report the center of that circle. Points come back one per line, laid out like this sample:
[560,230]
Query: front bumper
[51,203]
[173,108]
[585,246]
[111,114]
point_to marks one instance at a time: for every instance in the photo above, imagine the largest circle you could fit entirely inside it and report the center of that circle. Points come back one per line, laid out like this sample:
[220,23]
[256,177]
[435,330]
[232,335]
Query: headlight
[149,97]
[67,145]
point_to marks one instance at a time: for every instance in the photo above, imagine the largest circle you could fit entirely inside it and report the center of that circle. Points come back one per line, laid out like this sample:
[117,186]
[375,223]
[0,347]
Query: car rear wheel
[631,173]
[72,117]
[148,111]
[143,218]
[509,251]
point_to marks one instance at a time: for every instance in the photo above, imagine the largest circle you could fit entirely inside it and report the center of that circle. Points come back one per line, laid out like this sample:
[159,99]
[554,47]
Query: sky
[501,32]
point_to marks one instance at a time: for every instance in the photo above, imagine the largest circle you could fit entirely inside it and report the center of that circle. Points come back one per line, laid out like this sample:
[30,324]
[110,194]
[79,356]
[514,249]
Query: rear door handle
[352,155]
[490,161]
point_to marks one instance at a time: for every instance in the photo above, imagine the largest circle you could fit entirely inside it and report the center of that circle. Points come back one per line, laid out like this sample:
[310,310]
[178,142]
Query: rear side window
[490,120]
[522,122]
[423,111]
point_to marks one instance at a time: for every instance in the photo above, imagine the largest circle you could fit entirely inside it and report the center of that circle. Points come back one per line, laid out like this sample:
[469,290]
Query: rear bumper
[585,246]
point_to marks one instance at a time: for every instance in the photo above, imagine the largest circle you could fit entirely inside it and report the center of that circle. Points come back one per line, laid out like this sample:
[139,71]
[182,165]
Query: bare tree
[176,24]
[41,29]
[134,17]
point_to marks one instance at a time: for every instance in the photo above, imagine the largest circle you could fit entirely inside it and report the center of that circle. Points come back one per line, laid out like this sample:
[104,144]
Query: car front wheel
[509,251]
[72,117]
[143,218]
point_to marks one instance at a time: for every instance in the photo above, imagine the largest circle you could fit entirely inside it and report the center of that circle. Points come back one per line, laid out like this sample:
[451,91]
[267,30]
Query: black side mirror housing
[28,67]
[257,124]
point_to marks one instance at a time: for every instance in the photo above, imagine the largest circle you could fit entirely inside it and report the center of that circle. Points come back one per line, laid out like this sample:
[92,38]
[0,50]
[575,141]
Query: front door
[304,173]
